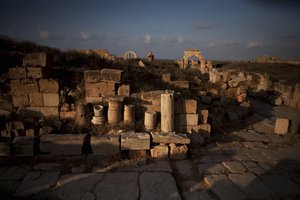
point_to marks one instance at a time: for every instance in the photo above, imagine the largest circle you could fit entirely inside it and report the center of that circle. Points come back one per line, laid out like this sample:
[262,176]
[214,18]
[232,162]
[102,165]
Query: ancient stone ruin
[129,55]
[200,63]
[219,128]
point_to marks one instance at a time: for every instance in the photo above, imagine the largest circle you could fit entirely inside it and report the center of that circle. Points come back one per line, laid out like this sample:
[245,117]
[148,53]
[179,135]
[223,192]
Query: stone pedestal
[150,120]
[98,120]
[98,110]
[98,117]
[114,105]
[114,116]
[167,111]
[129,114]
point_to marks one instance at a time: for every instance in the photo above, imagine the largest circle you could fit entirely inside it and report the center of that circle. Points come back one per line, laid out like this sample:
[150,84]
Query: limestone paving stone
[256,155]
[158,185]
[234,166]
[156,166]
[218,158]
[196,195]
[184,168]
[36,182]
[252,186]
[77,186]
[253,167]
[211,168]
[12,173]
[282,185]
[223,187]
[118,185]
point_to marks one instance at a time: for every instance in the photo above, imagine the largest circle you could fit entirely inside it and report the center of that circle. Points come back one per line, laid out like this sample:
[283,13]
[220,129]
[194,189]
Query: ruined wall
[32,92]
[256,85]
[104,83]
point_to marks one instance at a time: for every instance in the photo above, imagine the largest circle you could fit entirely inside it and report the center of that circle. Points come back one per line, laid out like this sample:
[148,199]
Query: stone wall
[37,60]
[31,90]
[104,83]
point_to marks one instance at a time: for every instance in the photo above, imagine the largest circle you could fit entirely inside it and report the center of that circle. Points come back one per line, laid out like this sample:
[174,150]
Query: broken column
[150,120]
[129,114]
[80,115]
[167,111]
[114,114]
[98,117]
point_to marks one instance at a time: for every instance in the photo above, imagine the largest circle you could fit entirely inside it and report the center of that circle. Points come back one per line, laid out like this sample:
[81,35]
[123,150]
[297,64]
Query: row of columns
[114,114]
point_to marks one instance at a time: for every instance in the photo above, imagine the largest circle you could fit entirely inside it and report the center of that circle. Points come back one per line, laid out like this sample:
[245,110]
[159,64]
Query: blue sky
[221,29]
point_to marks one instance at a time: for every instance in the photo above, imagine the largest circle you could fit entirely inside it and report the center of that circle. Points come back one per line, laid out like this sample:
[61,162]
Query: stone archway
[193,53]
[129,55]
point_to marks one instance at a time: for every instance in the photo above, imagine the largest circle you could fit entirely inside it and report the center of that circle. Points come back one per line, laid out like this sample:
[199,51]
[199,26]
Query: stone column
[98,117]
[150,120]
[80,115]
[129,114]
[114,114]
[167,111]
[98,110]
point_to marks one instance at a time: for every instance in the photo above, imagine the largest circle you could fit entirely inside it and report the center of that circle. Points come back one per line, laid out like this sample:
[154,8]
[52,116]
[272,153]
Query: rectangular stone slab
[62,144]
[135,141]
[167,138]
[105,144]
[111,75]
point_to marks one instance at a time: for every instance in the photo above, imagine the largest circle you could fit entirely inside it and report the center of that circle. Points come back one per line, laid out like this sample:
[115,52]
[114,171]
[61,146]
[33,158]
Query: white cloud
[147,39]
[202,25]
[180,40]
[254,44]
[173,40]
[211,44]
[85,35]
[44,34]
[232,43]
